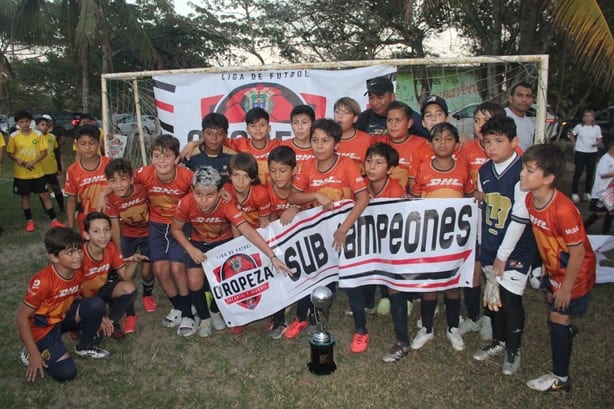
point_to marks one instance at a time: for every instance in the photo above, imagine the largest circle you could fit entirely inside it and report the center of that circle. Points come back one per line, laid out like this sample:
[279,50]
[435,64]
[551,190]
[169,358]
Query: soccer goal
[138,106]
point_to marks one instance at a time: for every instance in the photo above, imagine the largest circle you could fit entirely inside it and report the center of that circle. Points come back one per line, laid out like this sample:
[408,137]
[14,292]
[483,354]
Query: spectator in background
[585,136]
[520,100]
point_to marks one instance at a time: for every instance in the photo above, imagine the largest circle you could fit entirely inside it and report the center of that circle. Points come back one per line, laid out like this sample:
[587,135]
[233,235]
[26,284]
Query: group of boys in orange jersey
[228,194]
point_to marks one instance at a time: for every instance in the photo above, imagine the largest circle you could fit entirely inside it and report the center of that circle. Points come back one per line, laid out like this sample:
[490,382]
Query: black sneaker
[92,352]
[397,352]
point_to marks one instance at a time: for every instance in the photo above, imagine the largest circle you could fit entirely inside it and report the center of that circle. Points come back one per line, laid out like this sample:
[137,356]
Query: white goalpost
[130,109]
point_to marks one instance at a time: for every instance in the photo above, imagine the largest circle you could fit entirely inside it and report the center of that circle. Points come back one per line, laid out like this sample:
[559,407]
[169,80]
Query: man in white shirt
[520,100]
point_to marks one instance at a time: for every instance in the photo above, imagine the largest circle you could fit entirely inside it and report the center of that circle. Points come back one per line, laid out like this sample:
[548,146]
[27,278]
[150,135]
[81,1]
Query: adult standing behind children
[380,91]
[586,136]
[520,100]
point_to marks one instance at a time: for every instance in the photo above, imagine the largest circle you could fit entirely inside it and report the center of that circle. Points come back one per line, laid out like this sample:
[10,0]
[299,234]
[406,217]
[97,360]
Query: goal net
[139,106]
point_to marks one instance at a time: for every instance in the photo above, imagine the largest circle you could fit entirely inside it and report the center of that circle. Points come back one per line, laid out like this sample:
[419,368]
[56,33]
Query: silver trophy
[321,341]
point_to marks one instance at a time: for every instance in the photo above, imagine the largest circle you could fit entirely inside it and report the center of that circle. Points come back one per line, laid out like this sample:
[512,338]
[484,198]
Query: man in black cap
[373,120]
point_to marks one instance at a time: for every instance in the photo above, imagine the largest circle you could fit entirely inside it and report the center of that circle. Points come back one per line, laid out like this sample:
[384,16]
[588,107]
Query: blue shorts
[130,245]
[204,247]
[577,306]
[162,245]
[51,346]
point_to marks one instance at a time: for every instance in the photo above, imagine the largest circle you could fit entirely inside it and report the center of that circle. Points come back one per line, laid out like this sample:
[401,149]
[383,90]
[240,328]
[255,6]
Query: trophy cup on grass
[321,342]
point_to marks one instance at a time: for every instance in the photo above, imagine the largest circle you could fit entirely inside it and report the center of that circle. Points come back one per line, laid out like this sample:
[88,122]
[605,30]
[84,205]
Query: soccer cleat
[92,352]
[30,226]
[587,197]
[383,306]
[490,350]
[511,364]
[468,325]
[360,342]
[149,303]
[188,326]
[295,328]
[238,330]
[24,356]
[57,223]
[485,328]
[217,321]
[205,328]
[129,324]
[397,352]
[118,334]
[575,198]
[421,338]
[549,383]
[278,331]
[172,319]
[455,338]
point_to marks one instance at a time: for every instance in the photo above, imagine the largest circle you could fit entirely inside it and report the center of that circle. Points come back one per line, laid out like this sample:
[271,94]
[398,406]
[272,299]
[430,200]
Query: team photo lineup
[154,225]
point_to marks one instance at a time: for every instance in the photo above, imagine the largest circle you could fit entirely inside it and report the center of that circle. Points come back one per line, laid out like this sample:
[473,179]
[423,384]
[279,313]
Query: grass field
[154,368]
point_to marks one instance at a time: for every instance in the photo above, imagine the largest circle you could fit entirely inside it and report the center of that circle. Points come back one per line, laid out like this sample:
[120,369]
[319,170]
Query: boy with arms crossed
[128,208]
[50,307]
[566,252]
[322,181]
[507,244]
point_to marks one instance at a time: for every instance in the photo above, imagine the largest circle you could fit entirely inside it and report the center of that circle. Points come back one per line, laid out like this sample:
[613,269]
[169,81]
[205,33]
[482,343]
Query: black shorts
[24,187]
[52,179]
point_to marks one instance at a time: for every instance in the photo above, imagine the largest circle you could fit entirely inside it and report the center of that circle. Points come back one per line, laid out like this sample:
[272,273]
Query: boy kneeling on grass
[51,307]
[569,260]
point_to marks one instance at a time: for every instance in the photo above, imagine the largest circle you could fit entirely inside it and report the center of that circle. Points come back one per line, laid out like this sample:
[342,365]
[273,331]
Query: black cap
[379,86]
[434,99]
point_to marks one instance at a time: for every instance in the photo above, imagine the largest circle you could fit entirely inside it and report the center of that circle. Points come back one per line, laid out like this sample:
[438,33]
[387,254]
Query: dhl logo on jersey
[208,220]
[69,291]
[99,269]
[445,182]
[539,223]
[322,182]
[131,203]
[93,179]
[166,191]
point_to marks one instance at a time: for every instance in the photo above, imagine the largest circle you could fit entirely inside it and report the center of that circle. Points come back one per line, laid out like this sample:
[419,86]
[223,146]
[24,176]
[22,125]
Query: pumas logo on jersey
[166,191]
[444,182]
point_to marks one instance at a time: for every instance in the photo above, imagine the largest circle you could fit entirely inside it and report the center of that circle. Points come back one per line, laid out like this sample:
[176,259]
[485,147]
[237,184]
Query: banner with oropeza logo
[411,246]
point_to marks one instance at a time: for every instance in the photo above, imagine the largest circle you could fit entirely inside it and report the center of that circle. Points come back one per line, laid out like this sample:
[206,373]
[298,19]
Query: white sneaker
[455,338]
[490,350]
[421,338]
[575,198]
[188,326]
[549,382]
[485,328]
[205,329]
[511,363]
[217,321]
[587,197]
[24,356]
[172,319]
[468,325]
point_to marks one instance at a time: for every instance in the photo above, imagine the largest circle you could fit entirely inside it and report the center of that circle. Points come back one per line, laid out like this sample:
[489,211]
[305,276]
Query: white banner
[420,245]
[182,100]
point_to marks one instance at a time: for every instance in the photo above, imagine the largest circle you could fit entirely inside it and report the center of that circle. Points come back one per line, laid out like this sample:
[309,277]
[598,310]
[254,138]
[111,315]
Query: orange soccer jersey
[86,184]
[255,205]
[409,150]
[475,156]
[356,147]
[50,295]
[302,154]
[392,189]
[261,155]
[558,226]
[341,181]
[163,197]
[431,182]
[132,212]
[212,226]
[96,272]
